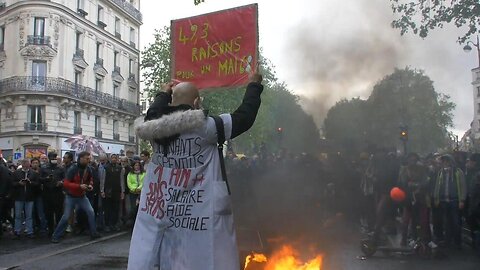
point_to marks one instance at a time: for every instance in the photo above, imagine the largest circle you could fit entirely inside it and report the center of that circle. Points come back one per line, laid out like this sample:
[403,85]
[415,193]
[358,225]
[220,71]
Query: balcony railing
[38,40]
[35,126]
[129,8]
[132,43]
[118,35]
[2,47]
[116,136]
[131,77]
[99,62]
[101,24]
[61,86]
[79,53]
[77,130]
[98,134]
[131,139]
[116,69]
[82,12]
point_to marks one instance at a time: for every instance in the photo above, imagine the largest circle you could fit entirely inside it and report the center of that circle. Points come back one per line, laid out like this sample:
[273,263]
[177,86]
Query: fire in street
[286,258]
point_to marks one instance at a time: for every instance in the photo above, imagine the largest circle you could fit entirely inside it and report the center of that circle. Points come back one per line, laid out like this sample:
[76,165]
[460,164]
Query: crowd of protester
[440,202]
[285,192]
[50,195]
[273,192]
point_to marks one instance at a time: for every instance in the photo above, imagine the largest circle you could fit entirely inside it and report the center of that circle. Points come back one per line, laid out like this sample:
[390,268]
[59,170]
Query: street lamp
[468,48]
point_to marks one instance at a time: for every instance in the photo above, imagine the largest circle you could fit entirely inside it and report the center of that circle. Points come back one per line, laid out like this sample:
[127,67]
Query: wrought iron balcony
[116,136]
[116,69]
[35,126]
[82,12]
[101,24]
[129,9]
[38,40]
[132,43]
[59,86]
[77,130]
[118,35]
[99,62]
[79,53]
[131,77]
[131,139]
[98,133]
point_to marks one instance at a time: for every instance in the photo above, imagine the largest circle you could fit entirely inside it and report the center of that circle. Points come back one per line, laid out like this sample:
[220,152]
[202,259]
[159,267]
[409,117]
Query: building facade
[68,67]
[476,104]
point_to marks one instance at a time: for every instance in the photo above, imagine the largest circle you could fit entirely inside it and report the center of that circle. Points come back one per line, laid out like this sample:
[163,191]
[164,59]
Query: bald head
[185,93]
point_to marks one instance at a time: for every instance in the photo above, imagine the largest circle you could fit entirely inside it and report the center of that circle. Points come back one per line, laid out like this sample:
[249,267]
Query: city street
[111,252]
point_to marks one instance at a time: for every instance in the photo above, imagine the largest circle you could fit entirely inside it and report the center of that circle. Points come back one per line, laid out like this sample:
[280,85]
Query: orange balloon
[397,194]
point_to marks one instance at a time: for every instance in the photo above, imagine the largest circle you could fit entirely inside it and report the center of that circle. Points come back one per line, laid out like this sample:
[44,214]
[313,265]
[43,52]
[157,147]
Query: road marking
[105,238]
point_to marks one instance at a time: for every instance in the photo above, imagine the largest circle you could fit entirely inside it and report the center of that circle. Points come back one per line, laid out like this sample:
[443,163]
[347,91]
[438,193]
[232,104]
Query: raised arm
[244,116]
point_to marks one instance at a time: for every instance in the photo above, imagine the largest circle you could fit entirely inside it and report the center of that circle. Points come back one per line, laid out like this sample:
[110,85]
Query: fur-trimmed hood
[169,125]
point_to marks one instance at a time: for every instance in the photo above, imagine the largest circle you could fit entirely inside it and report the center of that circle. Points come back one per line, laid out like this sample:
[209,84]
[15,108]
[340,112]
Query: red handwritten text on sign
[217,49]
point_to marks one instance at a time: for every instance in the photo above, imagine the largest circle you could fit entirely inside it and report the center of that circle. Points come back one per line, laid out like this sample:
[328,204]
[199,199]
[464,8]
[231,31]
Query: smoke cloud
[345,47]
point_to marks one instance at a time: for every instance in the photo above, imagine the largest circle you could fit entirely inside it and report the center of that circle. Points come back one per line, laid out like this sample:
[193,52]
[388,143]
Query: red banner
[218,49]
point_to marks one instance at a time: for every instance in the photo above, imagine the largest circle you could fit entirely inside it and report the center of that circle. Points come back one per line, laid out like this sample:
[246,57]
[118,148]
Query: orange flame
[284,259]
[255,257]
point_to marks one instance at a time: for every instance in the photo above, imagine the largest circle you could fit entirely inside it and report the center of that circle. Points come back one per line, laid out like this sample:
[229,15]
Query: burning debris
[287,258]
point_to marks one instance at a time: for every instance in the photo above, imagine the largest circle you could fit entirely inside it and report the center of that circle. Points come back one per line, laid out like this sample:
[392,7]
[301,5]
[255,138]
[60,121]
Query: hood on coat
[169,125]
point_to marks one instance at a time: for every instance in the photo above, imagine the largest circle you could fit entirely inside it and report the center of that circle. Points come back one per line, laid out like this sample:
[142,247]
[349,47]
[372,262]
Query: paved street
[341,253]
[110,252]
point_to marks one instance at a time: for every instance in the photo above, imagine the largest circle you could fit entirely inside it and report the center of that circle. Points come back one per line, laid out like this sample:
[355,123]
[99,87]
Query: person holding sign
[185,219]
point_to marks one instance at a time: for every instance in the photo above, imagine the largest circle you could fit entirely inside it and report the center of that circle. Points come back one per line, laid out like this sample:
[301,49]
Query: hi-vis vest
[458,185]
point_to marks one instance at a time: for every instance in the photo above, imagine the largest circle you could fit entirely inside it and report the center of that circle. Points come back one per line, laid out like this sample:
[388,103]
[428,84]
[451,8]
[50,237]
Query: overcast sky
[326,50]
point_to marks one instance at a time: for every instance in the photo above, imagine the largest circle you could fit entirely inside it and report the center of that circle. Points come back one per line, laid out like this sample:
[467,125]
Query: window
[78,38]
[116,136]
[35,114]
[39,72]
[99,50]
[117,26]
[2,37]
[131,133]
[98,85]
[98,126]
[39,27]
[115,59]
[115,91]
[98,123]
[100,13]
[144,105]
[78,78]
[132,35]
[80,4]
[130,66]
[77,118]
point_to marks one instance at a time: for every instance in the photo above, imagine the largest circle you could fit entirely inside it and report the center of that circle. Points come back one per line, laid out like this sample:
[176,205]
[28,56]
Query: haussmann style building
[67,68]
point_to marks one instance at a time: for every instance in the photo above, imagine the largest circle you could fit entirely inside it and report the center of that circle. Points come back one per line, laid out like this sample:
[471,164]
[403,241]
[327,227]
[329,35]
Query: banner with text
[217,49]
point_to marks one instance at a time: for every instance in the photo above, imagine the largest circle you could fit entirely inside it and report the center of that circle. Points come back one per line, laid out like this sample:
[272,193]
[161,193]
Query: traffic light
[403,134]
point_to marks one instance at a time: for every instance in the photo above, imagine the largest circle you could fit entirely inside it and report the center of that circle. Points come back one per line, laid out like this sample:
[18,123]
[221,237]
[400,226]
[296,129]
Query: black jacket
[6,178]
[27,192]
[49,176]
[113,181]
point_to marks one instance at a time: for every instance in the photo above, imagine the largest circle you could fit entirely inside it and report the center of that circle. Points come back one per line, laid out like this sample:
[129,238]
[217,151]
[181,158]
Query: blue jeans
[79,203]
[39,207]
[21,206]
